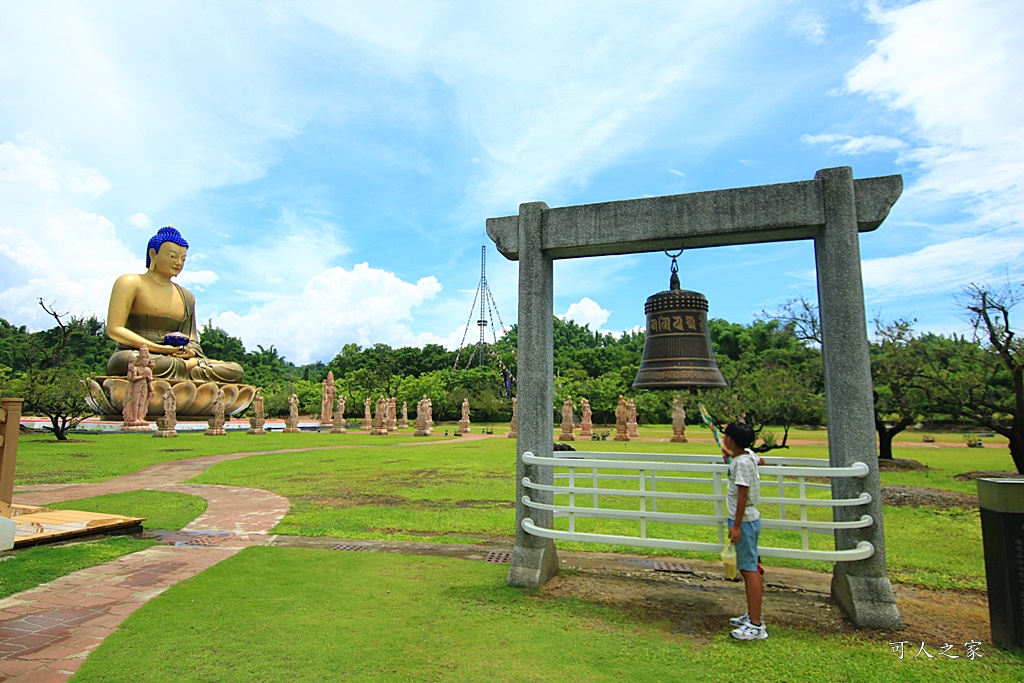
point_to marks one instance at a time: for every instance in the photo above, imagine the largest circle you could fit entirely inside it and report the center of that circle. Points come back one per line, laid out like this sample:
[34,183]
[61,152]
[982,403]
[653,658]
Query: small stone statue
[291,423]
[430,413]
[380,417]
[514,424]
[403,422]
[421,418]
[260,418]
[464,427]
[338,424]
[586,424]
[367,423]
[216,423]
[621,415]
[165,425]
[678,422]
[140,390]
[327,400]
[392,415]
[631,419]
[568,428]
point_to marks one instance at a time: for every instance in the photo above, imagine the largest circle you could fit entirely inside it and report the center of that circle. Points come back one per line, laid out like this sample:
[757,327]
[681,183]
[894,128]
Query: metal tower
[488,312]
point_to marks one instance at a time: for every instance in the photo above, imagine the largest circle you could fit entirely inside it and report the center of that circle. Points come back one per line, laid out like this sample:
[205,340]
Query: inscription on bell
[675,323]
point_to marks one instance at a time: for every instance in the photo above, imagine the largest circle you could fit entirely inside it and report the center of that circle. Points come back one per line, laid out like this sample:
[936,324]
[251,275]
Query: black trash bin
[1002,528]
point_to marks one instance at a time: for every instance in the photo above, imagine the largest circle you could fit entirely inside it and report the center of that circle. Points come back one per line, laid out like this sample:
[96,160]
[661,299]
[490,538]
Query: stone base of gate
[532,567]
[866,600]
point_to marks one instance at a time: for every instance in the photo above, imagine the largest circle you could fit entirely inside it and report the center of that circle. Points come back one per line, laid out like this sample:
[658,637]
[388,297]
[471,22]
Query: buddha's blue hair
[162,235]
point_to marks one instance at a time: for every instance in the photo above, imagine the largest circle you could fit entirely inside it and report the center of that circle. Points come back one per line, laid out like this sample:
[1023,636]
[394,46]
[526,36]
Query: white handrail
[863,550]
[863,499]
[681,518]
[648,471]
[858,469]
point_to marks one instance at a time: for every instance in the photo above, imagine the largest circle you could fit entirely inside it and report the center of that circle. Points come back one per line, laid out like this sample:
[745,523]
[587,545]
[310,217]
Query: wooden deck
[41,525]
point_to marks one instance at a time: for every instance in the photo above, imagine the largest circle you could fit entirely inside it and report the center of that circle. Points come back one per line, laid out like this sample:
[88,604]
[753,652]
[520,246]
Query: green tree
[219,344]
[51,382]
[982,378]
[898,363]
[431,384]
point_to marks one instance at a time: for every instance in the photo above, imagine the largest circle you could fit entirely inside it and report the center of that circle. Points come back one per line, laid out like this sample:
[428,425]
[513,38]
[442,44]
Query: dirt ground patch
[918,496]
[694,598]
[699,604]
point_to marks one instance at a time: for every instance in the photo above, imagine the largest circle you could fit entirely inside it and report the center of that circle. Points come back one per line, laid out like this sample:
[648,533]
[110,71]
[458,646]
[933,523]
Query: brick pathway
[47,632]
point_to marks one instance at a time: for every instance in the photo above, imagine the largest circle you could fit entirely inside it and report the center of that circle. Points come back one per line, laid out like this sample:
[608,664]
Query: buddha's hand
[176,351]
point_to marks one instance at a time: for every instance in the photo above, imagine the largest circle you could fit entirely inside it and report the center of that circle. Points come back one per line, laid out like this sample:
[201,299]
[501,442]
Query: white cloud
[364,305]
[282,257]
[953,66]
[810,26]
[50,249]
[36,165]
[943,268]
[586,311]
[855,145]
[140,220]
[197,279]
[595,83]
[160,127]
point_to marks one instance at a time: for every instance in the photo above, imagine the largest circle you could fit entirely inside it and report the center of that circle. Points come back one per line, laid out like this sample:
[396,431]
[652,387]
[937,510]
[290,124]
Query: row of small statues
[384,419]
[625,420]
[332,409]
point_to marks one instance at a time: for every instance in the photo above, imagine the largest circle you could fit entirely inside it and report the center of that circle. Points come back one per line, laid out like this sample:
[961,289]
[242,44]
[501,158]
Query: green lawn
[459,492]
[92,457]
[264,614]
[25,569]
[161,509]
[450,490]
[275,614]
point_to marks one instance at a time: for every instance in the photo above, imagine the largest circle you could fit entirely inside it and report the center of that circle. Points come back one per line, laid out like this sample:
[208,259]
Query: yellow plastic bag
[729,560]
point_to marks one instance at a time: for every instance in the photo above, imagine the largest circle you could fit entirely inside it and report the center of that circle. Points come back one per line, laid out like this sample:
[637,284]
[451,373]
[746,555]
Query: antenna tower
[488,312]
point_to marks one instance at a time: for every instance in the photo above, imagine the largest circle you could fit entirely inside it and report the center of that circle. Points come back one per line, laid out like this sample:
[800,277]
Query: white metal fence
[629,486]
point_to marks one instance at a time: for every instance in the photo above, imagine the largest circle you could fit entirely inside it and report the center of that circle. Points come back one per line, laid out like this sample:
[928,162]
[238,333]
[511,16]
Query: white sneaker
[740,621]
[750,632]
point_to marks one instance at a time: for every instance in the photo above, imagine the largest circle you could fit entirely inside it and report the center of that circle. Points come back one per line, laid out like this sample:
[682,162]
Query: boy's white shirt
[743,472]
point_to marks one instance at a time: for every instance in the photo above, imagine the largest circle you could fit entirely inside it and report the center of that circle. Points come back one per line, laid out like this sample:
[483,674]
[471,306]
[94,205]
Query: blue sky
[333,164]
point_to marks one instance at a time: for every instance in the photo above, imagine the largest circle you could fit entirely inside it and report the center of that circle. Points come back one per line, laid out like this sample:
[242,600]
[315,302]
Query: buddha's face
[169,260]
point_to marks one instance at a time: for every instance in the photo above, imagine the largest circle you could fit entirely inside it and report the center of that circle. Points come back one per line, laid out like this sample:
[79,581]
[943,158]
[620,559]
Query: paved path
[47,632]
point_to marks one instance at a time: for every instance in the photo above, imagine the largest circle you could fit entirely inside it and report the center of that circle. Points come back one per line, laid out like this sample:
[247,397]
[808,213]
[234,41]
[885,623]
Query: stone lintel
[746,215]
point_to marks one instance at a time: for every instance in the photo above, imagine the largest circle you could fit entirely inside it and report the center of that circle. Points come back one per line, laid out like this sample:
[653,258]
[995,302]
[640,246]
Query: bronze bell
[677,348]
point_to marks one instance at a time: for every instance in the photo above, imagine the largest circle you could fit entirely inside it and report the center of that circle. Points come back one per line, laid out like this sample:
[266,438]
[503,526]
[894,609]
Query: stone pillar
[10,421]
[861,588]
[534,560]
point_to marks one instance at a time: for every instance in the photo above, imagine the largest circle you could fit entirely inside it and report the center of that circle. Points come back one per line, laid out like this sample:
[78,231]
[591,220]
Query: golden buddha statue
[151,310]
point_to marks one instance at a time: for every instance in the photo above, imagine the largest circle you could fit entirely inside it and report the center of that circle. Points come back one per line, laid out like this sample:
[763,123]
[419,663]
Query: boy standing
[745,524]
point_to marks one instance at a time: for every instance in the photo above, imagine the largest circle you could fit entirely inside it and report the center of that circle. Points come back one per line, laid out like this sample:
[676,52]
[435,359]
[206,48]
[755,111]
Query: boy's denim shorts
[746,549]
